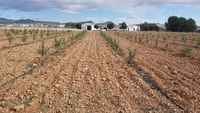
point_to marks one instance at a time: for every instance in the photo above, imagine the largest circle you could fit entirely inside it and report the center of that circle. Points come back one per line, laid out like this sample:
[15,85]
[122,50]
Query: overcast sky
[129,11]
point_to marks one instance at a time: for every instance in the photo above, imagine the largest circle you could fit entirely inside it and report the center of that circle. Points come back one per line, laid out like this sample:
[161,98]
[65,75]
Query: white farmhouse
[88,26]
[133,27]
[24,25]
[62,25]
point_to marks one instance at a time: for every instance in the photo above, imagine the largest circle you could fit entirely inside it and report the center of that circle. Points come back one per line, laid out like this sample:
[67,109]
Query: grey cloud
[36,5]
[131,17]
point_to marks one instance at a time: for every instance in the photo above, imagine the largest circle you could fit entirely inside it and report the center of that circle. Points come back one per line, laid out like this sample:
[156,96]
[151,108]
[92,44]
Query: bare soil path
[87,77]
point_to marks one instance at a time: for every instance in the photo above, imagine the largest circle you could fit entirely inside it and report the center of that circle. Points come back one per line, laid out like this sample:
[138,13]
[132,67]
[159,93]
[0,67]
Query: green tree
[144,26]
[191,25]
[67,25]
[123,26]
[173,23]
[180,24]
[153,27]
[110,25]
[78,26]
[96,26]
[70,25]
[73,25]
[149,27]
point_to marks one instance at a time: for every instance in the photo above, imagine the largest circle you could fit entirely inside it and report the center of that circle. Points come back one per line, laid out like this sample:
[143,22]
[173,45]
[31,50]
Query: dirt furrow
[174,74]
[88,77]
[14,61]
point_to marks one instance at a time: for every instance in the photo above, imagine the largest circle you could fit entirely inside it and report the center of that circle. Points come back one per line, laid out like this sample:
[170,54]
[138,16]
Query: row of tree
[110,25]
[175,24]
[180,24]
[73,25]
[149,27]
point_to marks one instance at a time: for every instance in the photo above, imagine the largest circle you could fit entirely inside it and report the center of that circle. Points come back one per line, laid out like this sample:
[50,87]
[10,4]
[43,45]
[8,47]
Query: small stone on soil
[34,65]
[174,72]
[56,85]
[17,108]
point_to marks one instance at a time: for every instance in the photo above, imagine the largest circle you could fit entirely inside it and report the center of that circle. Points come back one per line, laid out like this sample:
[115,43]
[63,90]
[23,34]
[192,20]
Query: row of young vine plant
[115,45]
[141,36]
[31,33]
[59,44]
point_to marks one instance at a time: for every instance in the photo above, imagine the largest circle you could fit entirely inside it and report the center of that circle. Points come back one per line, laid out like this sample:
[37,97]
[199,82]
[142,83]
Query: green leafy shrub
[186,50]
[156,42]
[24,37]
[140,39]
[184,39]
[43,51]
[41,34]
[10,38]
[131,55]
[164,38]
[198,43]
[57,43]
[34,36]
[147,40]
[112,42]
[166,45]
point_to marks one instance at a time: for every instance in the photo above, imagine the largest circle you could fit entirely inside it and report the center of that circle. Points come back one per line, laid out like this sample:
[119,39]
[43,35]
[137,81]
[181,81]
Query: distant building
[117,28]
[24,25]
[133,27]
[161,27]
[62,25]
[102,26]
[88,26]
[198,28]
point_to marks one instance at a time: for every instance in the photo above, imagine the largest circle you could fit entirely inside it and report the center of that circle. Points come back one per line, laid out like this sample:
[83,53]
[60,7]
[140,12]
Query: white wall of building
[133,27]
[86,26]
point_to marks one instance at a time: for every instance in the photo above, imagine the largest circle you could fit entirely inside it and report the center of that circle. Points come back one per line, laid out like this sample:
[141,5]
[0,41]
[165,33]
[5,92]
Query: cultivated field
[77,71]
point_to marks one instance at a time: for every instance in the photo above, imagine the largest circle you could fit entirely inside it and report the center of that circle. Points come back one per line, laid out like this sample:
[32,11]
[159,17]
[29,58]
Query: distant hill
[24,21]
[69,23]
[6,21]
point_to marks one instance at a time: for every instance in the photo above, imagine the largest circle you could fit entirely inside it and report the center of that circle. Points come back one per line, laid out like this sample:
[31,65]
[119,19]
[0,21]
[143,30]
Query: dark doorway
[105,28]
[89,28]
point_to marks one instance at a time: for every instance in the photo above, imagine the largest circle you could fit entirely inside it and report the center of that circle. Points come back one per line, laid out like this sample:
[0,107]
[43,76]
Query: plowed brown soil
[178,76]
[87,77]
[17,56]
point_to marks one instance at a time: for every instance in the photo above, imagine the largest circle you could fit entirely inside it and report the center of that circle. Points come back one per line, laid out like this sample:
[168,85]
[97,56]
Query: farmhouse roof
[131,25]
[86,22]
[161,26]
[198,27]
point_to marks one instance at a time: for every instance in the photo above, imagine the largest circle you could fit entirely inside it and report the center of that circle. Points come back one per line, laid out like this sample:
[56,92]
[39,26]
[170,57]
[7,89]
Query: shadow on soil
[17,77]
[149,80]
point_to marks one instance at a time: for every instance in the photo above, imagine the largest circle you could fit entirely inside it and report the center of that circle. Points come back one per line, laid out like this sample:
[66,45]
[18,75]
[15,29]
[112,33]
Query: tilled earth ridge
[15,60]
[88,77]
[178,76]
